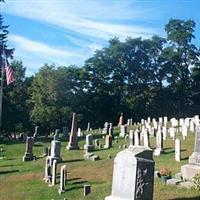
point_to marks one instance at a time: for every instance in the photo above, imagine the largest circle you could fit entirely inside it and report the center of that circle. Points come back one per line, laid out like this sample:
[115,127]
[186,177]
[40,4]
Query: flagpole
[1,89]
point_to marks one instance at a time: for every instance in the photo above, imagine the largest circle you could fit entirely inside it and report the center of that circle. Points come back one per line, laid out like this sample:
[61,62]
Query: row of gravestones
[140,173]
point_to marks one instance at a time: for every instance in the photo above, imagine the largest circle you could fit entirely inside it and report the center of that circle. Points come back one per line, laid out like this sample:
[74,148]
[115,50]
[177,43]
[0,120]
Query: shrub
[196,181]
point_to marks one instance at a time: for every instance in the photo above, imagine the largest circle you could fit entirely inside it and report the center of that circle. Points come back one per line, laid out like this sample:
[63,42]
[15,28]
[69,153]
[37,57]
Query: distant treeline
[139,77]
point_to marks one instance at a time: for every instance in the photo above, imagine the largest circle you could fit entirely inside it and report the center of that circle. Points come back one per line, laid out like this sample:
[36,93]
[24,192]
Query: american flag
[9,73]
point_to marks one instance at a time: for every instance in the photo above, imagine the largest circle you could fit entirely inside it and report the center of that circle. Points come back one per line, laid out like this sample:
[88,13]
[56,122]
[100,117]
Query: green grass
[23,180]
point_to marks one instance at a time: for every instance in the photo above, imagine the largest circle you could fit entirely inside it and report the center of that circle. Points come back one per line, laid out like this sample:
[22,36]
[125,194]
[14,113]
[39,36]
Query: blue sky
[68,32]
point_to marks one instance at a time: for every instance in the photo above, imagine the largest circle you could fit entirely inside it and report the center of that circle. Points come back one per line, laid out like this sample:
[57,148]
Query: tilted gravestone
[28,156]
[190,170]
[133,175]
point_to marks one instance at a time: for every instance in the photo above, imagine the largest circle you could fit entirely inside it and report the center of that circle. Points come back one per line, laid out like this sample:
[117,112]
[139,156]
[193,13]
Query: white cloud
[35,54]
[91,18]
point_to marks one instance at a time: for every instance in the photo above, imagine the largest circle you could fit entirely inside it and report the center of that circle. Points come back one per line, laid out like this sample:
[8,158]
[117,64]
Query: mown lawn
[23,180]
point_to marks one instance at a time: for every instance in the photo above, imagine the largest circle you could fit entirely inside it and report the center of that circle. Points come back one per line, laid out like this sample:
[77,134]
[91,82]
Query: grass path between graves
[23,180]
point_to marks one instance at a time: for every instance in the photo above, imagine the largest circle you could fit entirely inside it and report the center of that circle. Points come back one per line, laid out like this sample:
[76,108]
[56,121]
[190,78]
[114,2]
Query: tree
[182,55]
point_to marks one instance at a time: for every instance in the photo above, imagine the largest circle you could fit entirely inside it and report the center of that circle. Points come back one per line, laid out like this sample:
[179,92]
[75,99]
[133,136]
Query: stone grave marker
[133,175]
[73,140]
[28,156]
[177,150]
[188,171]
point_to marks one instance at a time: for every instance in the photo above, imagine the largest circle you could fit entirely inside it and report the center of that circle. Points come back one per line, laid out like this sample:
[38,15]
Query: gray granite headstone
[188,171]
[89,143]
[133,175]
[28,156]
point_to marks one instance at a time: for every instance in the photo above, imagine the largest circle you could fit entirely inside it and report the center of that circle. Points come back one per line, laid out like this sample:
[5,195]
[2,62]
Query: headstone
[191,126]
[121,120]
[164,131]
[172,133]
[73,140]
[184,131]
[96,143]
[80,133]
[123,130]
[165,121]
[189,170]
[106,128]
[146,139]
[65,133]
[133,175]
[55,151]
[159,143]
[137,137]
[87,190]
[47,172]
[28,156]
[89,143]
[88,126]
[111,129]
[177,150]
[36,133]
[63,174]
[56,136]
[131,137]
[54,168]
[108,142]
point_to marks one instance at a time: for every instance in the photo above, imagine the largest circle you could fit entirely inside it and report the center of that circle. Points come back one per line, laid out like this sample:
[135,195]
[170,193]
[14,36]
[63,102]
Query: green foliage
[196,181]
[139,77]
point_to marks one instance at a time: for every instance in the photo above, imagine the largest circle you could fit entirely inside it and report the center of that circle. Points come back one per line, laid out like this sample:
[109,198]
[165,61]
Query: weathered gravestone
[63,178]
[177,150]
[73,140]
[55,151]
[190,170]
[56,135]
[28,156]
[133,175]
[108,142]
[89,143]
[36,133]
[65,133]
[159,143]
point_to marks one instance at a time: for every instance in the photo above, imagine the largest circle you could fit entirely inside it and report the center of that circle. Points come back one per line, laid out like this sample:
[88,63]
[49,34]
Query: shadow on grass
[78,182]
[7,172]
[74,188]
[187,198]
[75,160]
[186,158]
[168,152]
[73,179]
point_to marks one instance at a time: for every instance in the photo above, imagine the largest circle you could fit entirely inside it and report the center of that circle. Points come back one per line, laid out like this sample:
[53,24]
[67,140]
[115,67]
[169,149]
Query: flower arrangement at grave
[165,173]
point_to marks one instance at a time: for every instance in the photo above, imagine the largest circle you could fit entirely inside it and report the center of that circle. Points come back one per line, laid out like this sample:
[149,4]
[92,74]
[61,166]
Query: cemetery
[99,100]
[118,167]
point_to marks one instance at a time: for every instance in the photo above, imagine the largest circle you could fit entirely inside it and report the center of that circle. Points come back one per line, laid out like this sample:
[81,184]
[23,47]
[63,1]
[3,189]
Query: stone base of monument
[189,171]
[158,152]
[28,157]
[89,148]
[61,191]
[194,158]
[71,147]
